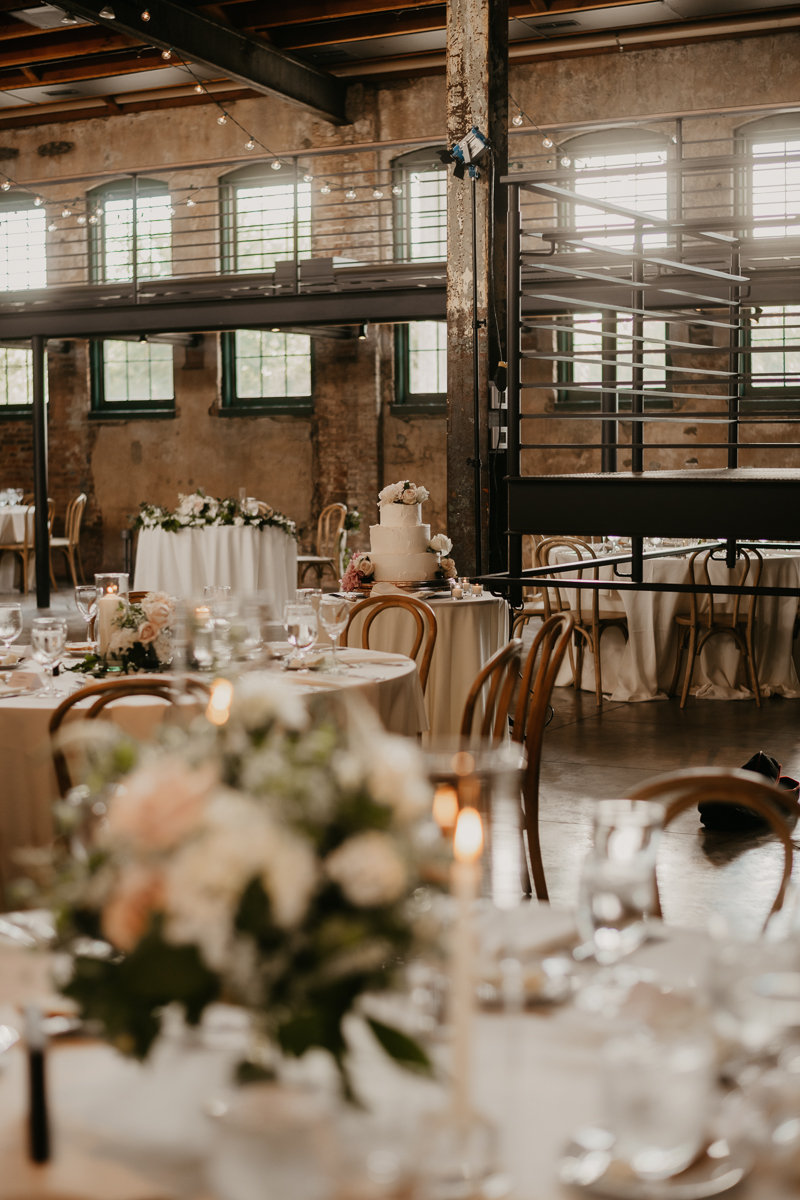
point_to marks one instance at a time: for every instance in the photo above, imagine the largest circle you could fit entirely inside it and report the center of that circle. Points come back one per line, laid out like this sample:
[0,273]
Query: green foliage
[215,511]
[400,1047]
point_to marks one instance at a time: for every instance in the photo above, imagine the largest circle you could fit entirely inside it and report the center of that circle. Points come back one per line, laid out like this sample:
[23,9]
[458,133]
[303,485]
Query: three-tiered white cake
[401,548]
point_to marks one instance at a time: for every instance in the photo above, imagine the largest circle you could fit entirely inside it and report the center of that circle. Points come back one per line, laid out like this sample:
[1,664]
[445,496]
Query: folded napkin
[11,658]
[311,662]
[735,818]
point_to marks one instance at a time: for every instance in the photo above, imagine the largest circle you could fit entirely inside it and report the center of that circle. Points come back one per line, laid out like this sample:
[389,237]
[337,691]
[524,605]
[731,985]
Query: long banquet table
[641,668]
[247,559]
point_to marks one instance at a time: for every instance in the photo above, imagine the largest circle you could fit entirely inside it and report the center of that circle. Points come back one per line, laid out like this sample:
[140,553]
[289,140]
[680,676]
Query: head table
[244,558]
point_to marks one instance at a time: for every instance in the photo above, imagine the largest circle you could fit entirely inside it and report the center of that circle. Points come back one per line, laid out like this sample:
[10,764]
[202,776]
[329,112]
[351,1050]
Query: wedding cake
[401,547]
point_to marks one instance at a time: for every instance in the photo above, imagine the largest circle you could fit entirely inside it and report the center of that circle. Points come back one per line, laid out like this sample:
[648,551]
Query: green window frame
[110,210]
[16,382]
[285,361]
[419,192]
[265,218]
[116,365]
[776,328]
[415,365]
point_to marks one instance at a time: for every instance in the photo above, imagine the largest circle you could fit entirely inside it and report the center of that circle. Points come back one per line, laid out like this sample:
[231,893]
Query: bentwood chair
[70,543]
[699,627]
[136,597]
[685,789]
[424,617]
[106,691]
[501,673]
[591,621]
[329,546]
[26,548]
[530,719]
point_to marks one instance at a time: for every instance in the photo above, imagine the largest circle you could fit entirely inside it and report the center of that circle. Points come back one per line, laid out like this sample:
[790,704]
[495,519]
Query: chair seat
[313,558]
[60,542]
[13,546]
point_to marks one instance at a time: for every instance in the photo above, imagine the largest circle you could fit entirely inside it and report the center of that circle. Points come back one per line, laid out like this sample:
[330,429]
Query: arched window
[769,186]
[111,249]
[266,217]
[22,243]
[420,206]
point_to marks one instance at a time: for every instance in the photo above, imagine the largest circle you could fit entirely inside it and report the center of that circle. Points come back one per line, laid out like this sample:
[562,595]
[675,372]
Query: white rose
[409,496]
[238,520]
[449,568]
[390,494]
[368,869]
[257,701]
[197,504]
[422,495]
[441,543]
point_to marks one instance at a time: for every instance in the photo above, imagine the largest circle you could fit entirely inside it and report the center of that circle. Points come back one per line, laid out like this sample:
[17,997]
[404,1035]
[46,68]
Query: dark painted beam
[199,39]
[42,534]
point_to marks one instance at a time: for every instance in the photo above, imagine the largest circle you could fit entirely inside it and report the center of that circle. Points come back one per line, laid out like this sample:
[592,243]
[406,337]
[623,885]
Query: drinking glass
[618,881]
[334,612]
[300,623]
[48,639]
[312,596]
[215,591]
[86,600]
[10,624]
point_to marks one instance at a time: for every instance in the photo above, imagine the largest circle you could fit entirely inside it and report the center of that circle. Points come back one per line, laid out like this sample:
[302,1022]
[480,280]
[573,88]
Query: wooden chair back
[29,530]
[557,596]
[685,789]
[423,615]
[137,597]
[107,690]
[745,560]
[73,519]
[501,673]
[530,719]
[329,530]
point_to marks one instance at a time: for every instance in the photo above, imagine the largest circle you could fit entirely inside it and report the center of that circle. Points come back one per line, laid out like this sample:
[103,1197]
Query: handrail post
[513,354]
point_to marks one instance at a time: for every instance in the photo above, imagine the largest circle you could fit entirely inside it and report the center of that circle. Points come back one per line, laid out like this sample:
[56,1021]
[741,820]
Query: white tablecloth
[12,529]
[641,669]
[247,559]
[468,633]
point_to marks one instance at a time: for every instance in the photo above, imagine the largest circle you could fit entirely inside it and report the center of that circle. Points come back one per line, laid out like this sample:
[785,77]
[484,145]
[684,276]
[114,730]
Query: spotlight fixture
[307,178]
[198,87]
[145,15]
[38,201]
[517,120]
[52,227]
[325,189]
[222,120]
[250,145]
[351,194]
[68,19]
[566,161]
[362,333]
[5,185]
[548,143]
[377,194]
[397,190]
[66,212]
[81,219]
[276,164]
[107,13]
[166,55]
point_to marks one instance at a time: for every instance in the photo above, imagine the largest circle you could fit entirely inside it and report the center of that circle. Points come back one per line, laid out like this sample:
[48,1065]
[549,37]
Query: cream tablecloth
[641,669]
[247,559]
[468,633]
[12,529]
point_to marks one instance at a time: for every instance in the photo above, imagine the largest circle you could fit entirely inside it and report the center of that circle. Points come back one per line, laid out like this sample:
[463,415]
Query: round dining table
[389,683]
[249,560]
[12,529]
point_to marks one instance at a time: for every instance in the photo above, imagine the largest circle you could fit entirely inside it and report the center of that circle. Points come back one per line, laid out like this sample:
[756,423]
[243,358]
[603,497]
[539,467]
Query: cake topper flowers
[402,492]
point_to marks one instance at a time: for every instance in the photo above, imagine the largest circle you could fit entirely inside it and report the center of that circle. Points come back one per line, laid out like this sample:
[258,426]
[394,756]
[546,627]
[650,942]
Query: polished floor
[590,756]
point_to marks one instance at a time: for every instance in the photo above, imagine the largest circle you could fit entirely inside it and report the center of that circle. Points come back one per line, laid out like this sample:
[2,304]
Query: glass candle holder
[112,589]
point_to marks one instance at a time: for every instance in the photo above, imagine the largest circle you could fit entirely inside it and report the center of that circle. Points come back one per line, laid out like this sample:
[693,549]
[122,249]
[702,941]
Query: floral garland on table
[272,859]
[198,510]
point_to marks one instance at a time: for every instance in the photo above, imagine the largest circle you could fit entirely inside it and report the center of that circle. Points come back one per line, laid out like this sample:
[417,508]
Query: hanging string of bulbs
[520,117]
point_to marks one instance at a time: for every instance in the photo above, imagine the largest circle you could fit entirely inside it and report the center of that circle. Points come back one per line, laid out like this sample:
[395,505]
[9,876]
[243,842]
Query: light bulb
[566,161]
[377,194]
[38,201]
[307,178]
[52,227]
[81,219]
[517,120]
[66,212]
[548,143]
[145,15]
[397,190]
[166,54]
[5,185]
[198,87]
[170,211]
[93,219]
[190,203]
[276,165]
[250,145]
[351,195]
[107,13]
[326,191]
[223,120]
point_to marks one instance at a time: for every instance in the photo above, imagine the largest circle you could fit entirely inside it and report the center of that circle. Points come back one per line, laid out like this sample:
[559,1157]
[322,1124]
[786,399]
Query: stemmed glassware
[48,639]
[334,612]
[300,623]
[86,600]
[10,624]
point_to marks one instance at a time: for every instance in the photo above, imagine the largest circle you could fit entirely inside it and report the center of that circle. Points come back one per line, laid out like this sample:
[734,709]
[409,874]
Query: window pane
[645,192]
[264,225]
[137,371]
[776,186]
[427,358]
[16,377]
[22,249]
[427,215]
[655,333]
[272,365]
[153,238]
[776,328]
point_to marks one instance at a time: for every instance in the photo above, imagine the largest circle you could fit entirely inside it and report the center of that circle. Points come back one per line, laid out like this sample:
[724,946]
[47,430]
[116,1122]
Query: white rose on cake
[391,494]
[441,543]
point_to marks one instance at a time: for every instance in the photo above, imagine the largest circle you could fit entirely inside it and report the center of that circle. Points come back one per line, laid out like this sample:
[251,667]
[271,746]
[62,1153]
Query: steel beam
[41,531]
[200,39]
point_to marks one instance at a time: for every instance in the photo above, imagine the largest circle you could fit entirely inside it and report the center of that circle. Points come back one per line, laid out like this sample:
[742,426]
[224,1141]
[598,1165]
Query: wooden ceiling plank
[297,37]
[76,71]
[258,15]
[54,48]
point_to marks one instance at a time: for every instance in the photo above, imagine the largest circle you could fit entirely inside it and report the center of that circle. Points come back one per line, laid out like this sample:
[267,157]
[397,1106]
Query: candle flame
[445,807]
[219,704]
[468,843]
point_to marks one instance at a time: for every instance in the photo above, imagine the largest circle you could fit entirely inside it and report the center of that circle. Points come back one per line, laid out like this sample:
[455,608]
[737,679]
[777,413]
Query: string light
[198,87]
[351,195]
[170,211]
[326,191]
[5,185]
[93,219]
[222,119]
[377,194]
[66,212]
[81,219]
[276,164]
[52,227]
[548,143]
[397,190]
[566,161]
[190,203]
[145,15]
[38,201]
[307,178]
[250,145]
[517,120]
[166,55]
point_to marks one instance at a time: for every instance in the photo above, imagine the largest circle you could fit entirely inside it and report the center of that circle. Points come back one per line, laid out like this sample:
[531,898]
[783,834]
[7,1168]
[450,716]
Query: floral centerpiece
[271,858]
[360,571]
[140,638]
[402,492]
[197,510]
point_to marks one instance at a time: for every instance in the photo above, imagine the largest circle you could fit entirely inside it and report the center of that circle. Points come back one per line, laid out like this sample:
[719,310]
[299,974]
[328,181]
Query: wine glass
[48,638]
[300,623]
[10,624]
[334,612]
[86,600]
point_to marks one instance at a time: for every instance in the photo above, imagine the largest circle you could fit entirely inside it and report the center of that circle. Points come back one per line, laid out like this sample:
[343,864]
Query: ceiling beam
[256,14]
[219,47]
[55,46]
[357,29]
[91,107]
[96,67]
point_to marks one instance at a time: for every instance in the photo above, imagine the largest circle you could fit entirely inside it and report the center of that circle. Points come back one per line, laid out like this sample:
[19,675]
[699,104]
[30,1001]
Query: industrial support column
[41,531]
[477,94]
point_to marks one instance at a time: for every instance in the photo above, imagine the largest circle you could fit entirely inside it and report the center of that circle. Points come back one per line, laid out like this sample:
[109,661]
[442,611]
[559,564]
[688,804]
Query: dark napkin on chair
[734,818]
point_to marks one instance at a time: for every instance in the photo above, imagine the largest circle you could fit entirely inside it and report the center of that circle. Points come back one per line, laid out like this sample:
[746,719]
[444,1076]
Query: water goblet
[300,623]
[10,624]
[334,612]
[48,639]
[86,600]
